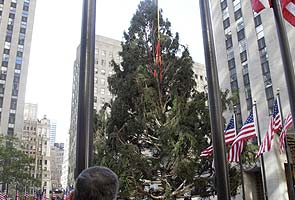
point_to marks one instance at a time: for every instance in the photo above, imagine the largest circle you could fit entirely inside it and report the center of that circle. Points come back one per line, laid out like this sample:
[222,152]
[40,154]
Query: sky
[56,35]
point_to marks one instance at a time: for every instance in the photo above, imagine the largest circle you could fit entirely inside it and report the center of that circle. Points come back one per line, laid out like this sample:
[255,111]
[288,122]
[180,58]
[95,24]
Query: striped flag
[275,125]
[3,196]
[26,195]
[35,195]
[16,195]
[288,9]
[258,5]
[247,131]
[288,123]
[229,136]
[230,131]
[207,152]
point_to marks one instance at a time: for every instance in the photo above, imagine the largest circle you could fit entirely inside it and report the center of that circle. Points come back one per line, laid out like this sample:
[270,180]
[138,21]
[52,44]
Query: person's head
[96,183]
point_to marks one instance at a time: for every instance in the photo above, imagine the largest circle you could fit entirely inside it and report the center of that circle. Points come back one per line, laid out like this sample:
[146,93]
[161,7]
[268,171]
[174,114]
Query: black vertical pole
[288,154]
[261,156]
[222,183]
[241,162]
[286,55]
[86,88]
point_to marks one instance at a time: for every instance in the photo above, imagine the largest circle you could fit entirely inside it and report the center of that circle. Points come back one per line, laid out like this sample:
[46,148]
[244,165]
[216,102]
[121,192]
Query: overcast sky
[56,35]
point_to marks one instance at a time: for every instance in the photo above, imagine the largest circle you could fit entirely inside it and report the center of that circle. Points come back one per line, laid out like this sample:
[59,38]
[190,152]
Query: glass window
[10,27]
[26,8]
[24,19]
[269,92]
[226,23]
[22,30]
[257,20]
[246,79]
[261,43]
[225,13]
[241,34]
[13,5]
[265,67]
[238,14]
[11,15]
[223,4]
[103,62]
[6,51]
[10,131]
[231,63]
[229,42]
[243,56]
[1,102]
[234,85]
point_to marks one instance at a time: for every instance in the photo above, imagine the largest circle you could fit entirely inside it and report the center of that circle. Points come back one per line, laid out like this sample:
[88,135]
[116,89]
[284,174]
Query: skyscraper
[16,26]
[106,50]
[52,132]
[250,66]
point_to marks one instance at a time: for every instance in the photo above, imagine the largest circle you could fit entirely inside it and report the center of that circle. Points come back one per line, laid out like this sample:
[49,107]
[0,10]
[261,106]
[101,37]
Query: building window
[261,43]
[10,131]
[231,63]
[11,15]
[223,4]
[226,23]
[1,102]
[269,92]
[243,56]
[229,42]
[10,27]
[241,34]
[265,67]
[26,8]
[257,20]
[13,104]
[238,14]
[246,80]
[24,19]
[234,85]
[22,30]
[13,5]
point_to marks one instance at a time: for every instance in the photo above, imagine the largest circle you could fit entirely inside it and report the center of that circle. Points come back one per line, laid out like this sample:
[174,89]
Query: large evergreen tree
[156,128]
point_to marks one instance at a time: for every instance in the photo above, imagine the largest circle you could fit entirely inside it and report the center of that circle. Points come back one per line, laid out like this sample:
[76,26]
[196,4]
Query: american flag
[258,5]
[230,131]
[3,196]
[35,195]
[16,195]
[207,152]
[229,136]
[246,132]
[276,115]
[275,125]
[288,123]
[26,195]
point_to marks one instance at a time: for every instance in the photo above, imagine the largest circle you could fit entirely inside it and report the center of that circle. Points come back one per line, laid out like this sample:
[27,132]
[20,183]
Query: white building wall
[274,161]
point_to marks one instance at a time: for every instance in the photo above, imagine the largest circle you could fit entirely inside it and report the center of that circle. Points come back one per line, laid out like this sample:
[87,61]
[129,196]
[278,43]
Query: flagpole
[286,55]
[289,169]
[215,107]
[240,163]
[84,142]
[261,157]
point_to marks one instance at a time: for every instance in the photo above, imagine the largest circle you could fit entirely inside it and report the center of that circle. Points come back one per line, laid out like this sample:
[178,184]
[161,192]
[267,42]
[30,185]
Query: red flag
[258,5]
[288,123]
[288,9]
[158,57]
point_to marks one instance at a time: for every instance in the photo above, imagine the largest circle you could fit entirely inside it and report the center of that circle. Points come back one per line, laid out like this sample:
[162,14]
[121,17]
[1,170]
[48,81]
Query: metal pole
[288,154]
[240,163]
[222,183]
[261,156]
[84,140]
[286,55]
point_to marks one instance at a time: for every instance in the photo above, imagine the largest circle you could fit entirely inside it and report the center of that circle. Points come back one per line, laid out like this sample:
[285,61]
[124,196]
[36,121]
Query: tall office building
[250,66]
[106,50]
[52,132]
[16,26]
